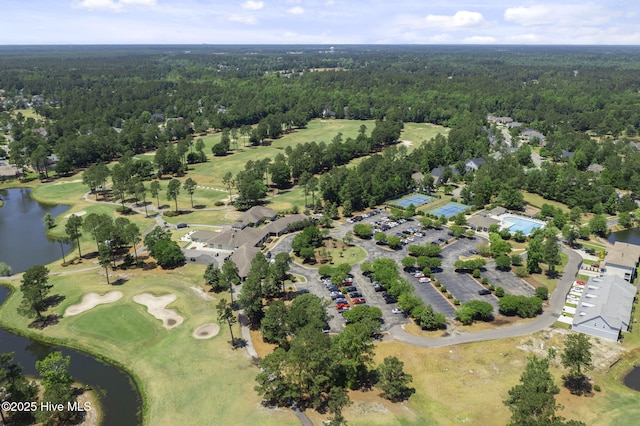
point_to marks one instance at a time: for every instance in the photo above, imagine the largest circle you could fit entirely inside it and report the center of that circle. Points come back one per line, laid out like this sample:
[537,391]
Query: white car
[424,280]
[397,311]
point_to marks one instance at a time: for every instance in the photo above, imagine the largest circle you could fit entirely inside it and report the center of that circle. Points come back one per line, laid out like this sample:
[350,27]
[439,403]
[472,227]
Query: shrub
[499,292]
[218,203]
[597,388]
[449,296]
[492,287]
[485,280]
[5,270]
[443,289]
[542,293]
[524,307]
[476,273]
[521,271]
[456,302]
[437,283]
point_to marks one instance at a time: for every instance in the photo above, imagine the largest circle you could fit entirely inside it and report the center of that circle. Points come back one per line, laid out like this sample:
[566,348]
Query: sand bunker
[91,300]
[156,307]
[206,330]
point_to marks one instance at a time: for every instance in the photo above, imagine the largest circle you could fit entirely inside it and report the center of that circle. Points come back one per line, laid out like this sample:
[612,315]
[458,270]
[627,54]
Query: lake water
[23,243]
[120,401]
[631,236]
[23,239]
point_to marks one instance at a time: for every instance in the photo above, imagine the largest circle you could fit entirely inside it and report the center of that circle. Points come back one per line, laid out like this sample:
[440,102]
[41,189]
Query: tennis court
[416,199]
[449,210]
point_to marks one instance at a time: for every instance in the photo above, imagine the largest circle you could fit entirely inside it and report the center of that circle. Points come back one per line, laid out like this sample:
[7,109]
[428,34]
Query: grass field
[181,377]
[537,201]
[416,133]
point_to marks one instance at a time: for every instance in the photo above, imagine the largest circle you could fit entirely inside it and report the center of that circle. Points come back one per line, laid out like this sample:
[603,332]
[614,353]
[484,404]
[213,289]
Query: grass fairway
[120,323]
[537,201]
[416,133]
[183,380]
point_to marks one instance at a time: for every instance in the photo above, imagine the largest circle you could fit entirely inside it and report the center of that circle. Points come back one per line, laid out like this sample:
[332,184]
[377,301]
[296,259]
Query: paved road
[550,315]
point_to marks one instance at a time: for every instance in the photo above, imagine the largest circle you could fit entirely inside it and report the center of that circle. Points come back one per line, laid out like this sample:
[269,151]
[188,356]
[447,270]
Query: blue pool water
[514,224]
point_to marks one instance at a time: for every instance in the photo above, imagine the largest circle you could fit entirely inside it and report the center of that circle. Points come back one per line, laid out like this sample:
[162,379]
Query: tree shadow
[199,206]
[580,386]
[552,274]
[238,343]
[44,322]
[119,281]
[53,300]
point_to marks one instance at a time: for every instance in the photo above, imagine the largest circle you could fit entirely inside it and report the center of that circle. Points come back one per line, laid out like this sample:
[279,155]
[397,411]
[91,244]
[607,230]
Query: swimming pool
[518,223]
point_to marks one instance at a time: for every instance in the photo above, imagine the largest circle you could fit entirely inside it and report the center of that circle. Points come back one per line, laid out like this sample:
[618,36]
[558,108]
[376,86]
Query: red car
[358,301]
[342,305]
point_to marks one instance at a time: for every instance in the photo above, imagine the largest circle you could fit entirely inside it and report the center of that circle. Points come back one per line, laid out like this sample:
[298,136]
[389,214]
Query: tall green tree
[212,278]
[551,252]
[73,229]
[14,387]
[154,189]
[576,357]
[58,387]
[228,181]
[48,221]
[35,291]
[230,276]
[532,402]
[393,381]
[173,190]
[190,187]
[225,314]
[274,326]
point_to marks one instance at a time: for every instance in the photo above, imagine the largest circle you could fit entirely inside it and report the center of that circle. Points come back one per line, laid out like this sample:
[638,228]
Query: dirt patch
[206,330]
[80,213]
[261,347]
[90,301]
[406,143]
[156,307]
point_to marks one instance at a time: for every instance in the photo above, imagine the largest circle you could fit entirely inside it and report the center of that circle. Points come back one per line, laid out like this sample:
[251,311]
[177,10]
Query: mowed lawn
[183,379]
[416,133]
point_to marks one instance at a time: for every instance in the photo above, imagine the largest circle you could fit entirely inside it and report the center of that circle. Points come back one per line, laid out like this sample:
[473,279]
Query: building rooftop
[623,254]
[609,298]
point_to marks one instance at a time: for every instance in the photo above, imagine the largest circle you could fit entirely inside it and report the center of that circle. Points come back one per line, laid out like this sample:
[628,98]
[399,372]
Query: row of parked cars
[363,216]
[339,296]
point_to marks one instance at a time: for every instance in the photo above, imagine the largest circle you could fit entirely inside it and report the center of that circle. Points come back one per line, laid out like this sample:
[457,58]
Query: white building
[604,309]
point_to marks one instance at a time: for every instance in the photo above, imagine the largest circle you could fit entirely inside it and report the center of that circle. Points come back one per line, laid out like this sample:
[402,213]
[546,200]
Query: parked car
[473,251]
[378,288]
[351,288]
[342,305]
[355,294]
[303,291]
[335,294]
[424,280]
[340,300]
[359,301]
[484,292]
[397,311]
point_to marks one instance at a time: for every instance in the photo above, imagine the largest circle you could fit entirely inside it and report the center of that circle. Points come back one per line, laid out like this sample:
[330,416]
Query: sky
[594,22]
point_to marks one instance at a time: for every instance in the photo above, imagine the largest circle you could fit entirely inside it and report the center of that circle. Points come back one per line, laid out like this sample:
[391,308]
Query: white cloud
[296,10]
[115,5]
[252,5]
[480,40]
[559,14]
[460,20]
[243,19]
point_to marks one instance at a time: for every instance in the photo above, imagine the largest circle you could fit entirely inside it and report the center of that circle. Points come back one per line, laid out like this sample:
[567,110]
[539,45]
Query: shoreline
[134,380]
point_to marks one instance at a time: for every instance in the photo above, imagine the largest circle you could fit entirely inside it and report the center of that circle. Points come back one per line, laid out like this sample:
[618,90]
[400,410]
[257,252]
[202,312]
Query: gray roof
[280,225]
[238,237]
[243,257]
[498,211]
[609,299]
[256,214]
[623,254]
[595,168]
[480,221]
[203,236]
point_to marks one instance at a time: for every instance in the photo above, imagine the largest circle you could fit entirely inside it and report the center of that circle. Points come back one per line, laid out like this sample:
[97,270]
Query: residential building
[622,260]
[604,309]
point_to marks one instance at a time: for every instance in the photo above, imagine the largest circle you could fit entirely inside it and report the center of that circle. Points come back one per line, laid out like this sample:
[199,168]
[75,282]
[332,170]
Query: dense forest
[101,103]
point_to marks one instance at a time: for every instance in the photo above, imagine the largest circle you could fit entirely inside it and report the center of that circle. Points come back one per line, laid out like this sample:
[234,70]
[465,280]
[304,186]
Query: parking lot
[461,285]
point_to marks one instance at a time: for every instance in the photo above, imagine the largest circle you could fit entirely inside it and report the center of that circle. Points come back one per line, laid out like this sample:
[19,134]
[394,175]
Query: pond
[631,236]
[23,239]
[120,401]
[632,380]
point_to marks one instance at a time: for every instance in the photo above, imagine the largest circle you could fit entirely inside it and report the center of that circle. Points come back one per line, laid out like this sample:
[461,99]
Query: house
[481,222]
[281,226]
[437,174]
[417,178]
[254,216]
[232,238]
[473,164]
[243,257]
[157,117]
[530,134]
[514,124]
[605,307]
[499,120]
[202,236]
[622,260]
[595,168]
[567,155]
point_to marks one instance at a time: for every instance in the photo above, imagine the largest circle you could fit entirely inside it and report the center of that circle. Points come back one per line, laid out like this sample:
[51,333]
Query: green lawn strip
[285,200]
[205,217]
[537,201]
[180,377]
[416,133]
